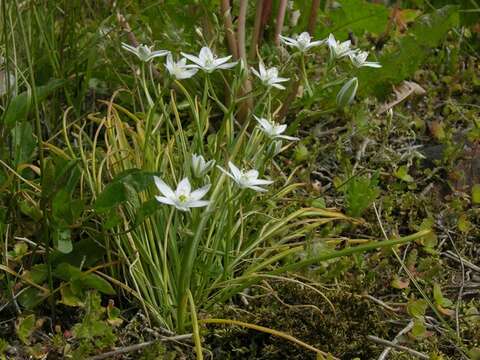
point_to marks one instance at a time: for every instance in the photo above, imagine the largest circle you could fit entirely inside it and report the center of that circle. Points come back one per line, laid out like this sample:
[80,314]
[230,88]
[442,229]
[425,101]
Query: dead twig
[391,344]
[136,347]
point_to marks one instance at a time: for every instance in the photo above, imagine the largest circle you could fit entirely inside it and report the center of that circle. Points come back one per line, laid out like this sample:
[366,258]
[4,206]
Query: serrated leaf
[25,327]
[419,329]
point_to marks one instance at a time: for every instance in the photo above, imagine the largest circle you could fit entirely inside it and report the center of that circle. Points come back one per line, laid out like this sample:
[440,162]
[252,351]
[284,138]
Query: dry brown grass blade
[403,91]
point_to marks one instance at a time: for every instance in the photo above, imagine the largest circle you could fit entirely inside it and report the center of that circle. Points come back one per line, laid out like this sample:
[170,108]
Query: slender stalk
[225,8]
[256,29]
[280,20]
[312,19]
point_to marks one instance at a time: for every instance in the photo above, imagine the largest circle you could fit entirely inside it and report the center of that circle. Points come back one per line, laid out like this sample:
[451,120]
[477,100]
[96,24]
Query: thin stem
[256,29]
[280,19]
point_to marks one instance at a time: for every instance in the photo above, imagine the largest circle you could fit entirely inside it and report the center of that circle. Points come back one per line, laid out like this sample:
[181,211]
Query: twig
[396,346]
[312,20]
[465,262]
[387,350]
[229,32]
[280,19]
[136,347]
[256,29]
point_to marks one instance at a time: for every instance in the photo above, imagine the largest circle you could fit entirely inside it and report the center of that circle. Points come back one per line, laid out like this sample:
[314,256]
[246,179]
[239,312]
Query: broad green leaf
[24,143]
[18,109]
[417,308]
[81,279]
[400,61]
[419,328]
[86,251]
[31,298]
[476,194]
[357,16]
[37,274]
[124,188]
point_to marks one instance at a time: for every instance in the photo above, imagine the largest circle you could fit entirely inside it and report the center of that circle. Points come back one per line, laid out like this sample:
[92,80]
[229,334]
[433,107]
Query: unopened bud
[347,93]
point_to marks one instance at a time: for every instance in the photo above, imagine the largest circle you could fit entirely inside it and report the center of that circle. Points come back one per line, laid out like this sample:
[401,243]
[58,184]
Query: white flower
[269,77]
[199,166]
[179,70]
[183,198]
[144,53]
[303,42]
[273,130]
[209,62]
[359,59]
[246,179]
[347,93]
[338,49]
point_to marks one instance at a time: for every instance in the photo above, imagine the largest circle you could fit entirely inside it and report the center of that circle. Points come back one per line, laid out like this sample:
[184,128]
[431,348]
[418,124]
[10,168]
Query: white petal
[205,53]
[256,188]
[286,137]
[261,182]
[235,171]
[165,200]
[226,172]
[256,73]
[252,174]
[197,203]
[199,193]
[183,187]
[278,86]
[192,58]
[164,188]
[227,66]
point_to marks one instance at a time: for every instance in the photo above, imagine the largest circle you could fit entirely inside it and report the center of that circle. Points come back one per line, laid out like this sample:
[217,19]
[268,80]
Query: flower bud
[347,93]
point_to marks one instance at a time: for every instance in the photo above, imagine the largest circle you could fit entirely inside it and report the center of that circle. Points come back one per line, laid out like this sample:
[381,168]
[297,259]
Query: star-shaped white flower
[359,59]
[179,70]
[273,130]
[183,198]
[303,42]
[208,62]
[338,49]
[200,167]
[145,53]
[269,77]
[246,179]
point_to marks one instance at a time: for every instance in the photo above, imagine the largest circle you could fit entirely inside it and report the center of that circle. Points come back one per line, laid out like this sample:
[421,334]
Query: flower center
[183,198]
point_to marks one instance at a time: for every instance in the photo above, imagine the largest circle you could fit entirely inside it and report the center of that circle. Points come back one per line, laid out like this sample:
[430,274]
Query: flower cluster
[183,198]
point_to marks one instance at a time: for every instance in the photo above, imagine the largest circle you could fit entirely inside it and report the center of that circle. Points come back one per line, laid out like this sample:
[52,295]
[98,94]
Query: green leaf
[357,16]
[438,297]
[18,109]
[37,274]
[25,327]
[402,174]
[401,61]
[62,240]
[124,188]
[83,280]
[31,298]
[417,308]
[24,143]
[86,251]
[360,193]
[476,194]
[419,328]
